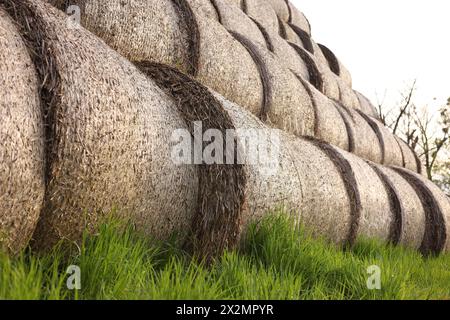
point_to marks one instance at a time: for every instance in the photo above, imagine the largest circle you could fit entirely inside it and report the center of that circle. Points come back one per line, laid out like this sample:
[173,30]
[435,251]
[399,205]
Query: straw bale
[22,159]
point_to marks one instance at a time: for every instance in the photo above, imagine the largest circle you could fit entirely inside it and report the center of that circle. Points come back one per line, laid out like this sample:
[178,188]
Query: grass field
[276,261]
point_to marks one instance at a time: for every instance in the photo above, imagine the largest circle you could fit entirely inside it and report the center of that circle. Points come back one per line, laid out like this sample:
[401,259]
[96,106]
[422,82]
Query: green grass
[276,261]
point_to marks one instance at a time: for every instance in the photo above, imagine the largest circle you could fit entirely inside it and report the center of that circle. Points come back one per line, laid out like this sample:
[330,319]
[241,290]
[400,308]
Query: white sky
[386,44]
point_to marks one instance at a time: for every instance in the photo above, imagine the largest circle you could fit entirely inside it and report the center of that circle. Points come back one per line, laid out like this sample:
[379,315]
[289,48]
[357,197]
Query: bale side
[22,157]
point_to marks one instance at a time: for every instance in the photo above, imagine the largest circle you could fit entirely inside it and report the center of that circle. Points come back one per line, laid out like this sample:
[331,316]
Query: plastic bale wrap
[108,138]
[22,160]
[287,104]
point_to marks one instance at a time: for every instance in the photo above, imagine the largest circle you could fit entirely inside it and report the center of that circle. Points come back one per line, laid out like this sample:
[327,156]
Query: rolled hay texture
[281,8]
[410,159]
[160,29]
[298,19]
[287,104]
[108,135]
[437,213]
[366,106]
[22,160]
[262,12]
[336,66]
[206,8]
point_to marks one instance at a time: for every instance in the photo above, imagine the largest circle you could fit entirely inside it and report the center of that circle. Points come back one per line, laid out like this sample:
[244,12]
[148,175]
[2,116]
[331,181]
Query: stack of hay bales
[110,144]
[290,85]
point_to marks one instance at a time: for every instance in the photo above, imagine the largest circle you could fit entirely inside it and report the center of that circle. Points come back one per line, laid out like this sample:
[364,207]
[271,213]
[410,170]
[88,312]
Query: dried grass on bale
[366,143]
[366,106]
[289,34]
[336,66]
[108,133]
[298,18]
[22,162]
[314,74]
[411,227]
[437,213]
[287,104]
[139,30]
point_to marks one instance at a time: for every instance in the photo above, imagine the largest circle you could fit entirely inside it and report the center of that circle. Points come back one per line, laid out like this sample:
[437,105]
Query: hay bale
[108,133]
[158,30]
[234,19]
[366,106]
[336,66]
[281,8]
[365,141]
[297,18]
[22,162]
[346,95]
[262,12]
[329,126]
[286,32]
[287,104]
[410,222]
[410,159]
[205,8]
[437,212]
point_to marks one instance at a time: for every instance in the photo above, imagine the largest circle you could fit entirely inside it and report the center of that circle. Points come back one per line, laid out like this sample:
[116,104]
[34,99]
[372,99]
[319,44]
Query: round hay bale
[205,8]
[410,159]
[346,95]
[109,128]
[234,19]
[314,74]
[366,106]
[286,32]
[391,154]
[329,126]
[286,54]
[281,8]
[22,159]
[437,212]
[156,30]
[287,104]
[365,141]
[262,12]
[297,18]
[410,223]
[335,65]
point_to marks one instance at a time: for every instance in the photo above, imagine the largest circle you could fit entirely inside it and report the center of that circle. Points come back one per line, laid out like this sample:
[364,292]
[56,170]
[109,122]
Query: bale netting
[160,30]
[437,212]
[109,128]
[22,160]
[287,104]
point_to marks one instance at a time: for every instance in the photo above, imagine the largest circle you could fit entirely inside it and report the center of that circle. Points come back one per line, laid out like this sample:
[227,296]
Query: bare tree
[426,132]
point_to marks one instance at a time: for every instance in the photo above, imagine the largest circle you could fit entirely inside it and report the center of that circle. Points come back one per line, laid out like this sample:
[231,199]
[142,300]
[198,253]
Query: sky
[387,44]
